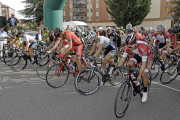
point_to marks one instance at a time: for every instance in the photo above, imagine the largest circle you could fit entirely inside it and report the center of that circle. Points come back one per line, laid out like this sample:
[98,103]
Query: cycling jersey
[57,39]
[115,38]
[46,35]
[70,36]
[162,38]
[140,37]
[150,35]
[27,38]
[144,33]
[144,50]
[175,40]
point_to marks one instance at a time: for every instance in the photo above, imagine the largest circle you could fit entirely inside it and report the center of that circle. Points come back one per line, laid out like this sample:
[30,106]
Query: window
[87,18]
[97,17]
[97,9]
[91,1]
[87,2]
[91,9]
[97,1]
[91,18]
[4,14]
[87,10]
[3,9]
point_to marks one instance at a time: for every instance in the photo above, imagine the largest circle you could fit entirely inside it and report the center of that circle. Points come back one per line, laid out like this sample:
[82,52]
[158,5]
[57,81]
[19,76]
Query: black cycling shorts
[136,58]
[109,49]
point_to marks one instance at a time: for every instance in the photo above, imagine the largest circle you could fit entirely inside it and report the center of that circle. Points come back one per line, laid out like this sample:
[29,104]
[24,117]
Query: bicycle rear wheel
[169,74]
[8,57]
[123,99]
[86,82]
[18,63]
[57,75]
[115,79]
[155,68]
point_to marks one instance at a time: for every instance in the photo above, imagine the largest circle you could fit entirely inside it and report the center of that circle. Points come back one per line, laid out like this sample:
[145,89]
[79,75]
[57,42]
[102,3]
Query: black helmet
[57,32]
[51,35]
[45,28]
[20,32]
[131,39]
[142,27]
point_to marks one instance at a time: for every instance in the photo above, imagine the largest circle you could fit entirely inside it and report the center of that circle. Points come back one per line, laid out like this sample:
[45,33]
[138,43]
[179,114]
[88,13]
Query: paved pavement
[24,96]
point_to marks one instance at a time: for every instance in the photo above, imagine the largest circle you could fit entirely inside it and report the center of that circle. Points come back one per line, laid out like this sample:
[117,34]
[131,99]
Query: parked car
[32,33]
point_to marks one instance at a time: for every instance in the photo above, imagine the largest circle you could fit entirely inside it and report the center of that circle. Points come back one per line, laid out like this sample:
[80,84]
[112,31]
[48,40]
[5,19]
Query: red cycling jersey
[140,37]
[174,38]
[58,38]
[70,36]
[144,33]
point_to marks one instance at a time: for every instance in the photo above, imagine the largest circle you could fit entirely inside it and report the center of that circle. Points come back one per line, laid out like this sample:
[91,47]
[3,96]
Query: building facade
[0,10]
[94,13]
[6,11]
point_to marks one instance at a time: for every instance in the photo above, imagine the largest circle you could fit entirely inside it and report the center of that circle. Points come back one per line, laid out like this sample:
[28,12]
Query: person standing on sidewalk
[3,39]
[13,22]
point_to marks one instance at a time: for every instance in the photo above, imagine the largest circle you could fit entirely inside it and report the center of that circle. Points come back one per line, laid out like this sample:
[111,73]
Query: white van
[81,25]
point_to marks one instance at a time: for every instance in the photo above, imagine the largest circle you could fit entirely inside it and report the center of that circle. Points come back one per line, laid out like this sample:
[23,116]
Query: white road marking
[166,86]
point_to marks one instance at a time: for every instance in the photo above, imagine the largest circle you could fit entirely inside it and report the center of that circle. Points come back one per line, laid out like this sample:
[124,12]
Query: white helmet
[153,30]
[160,27]
[128,26]
[99,29]
[149,29]
[108,29]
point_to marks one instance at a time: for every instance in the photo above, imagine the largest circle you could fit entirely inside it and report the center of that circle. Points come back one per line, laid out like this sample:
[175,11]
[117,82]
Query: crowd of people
[108,40]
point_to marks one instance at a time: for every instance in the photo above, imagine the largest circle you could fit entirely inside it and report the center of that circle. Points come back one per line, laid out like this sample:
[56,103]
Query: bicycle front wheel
[18,63]
[123,99]
[155,68]
[169,74]
[57,75]
[87,82]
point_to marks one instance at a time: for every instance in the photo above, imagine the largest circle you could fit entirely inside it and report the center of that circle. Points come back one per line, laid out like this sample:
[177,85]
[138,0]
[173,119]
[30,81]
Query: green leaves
[33,8]
[128,11]
[176,10]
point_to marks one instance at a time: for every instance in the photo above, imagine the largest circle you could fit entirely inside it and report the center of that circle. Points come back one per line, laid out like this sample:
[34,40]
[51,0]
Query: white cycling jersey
[27,38]
[104,40]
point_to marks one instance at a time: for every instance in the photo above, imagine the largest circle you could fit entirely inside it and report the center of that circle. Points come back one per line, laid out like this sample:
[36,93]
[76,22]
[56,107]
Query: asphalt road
[24,96]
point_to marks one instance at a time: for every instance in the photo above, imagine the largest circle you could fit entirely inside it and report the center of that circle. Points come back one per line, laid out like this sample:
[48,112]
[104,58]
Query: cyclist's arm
[99,50]
[176,48]
[51,45]
[152,41]
[55,45]
[92,50]
[121,62]
[60,45]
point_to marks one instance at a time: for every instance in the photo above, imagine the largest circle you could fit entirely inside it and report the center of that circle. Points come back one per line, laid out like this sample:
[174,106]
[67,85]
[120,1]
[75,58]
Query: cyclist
[144,32]
[149,34]
[74,44]
[143,53]
[164,38]
[112,35]
[56,38]
[110,49]
[25,44]
[101,32]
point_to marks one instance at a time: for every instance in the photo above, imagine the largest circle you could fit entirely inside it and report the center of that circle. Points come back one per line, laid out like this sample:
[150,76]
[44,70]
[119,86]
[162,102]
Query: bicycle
[171,72]
[126,87]
[58,74]
[89,77]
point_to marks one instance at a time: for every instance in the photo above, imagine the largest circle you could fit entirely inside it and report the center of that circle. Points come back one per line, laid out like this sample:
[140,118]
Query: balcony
[79,13]
[79,5]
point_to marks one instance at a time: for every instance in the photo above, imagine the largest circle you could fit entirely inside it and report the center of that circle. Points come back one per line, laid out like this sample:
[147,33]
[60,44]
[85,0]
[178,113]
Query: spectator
[67,27]
[39,36]
[3,39]
[13,22]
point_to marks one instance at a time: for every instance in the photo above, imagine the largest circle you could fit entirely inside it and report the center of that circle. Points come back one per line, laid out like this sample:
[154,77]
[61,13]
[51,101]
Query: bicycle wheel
[155,68]
[8,57]
[123,99]
[115,79]
[87,83]
[41,70]
[57,75]
[169,74]
[42,59]
[18,63]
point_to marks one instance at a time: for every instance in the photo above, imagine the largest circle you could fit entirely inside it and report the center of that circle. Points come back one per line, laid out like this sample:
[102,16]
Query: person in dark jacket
[39,37]
[13,22]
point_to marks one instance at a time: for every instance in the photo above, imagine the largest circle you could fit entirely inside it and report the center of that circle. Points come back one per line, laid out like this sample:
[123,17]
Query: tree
[176,11]
[33,9]
[128,11]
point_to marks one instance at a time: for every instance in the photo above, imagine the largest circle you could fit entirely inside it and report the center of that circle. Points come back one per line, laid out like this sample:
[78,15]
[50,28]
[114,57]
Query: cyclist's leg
[134,60]
[78,56]
[164,57]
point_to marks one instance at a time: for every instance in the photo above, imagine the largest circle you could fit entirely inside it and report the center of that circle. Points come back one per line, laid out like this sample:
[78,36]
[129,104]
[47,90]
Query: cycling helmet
[57,32]
[142,27]
[149,29]
[108,29]
[128,26]
[131,39]
[99,29]
[20,32]
[153,30]
[45,28]
[51,35]
[171,30]
[13,32]
[160,27]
